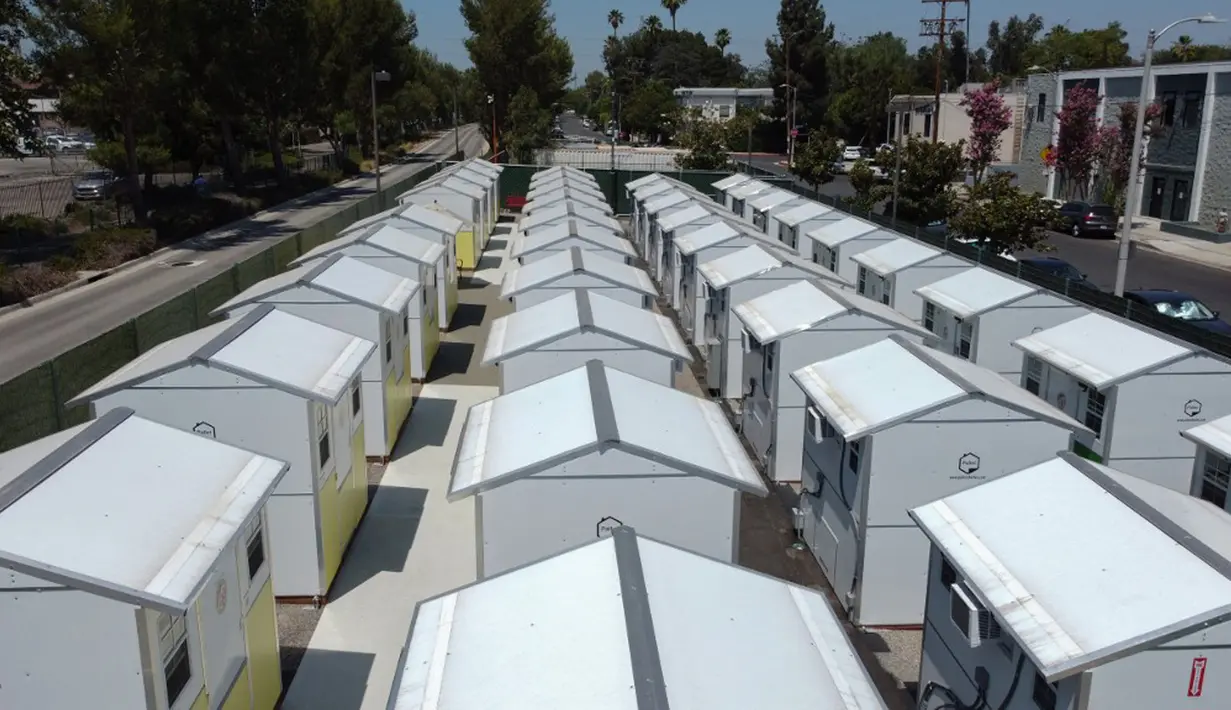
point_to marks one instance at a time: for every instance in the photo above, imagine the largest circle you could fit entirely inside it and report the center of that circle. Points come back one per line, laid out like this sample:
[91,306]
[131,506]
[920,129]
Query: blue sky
[584,22]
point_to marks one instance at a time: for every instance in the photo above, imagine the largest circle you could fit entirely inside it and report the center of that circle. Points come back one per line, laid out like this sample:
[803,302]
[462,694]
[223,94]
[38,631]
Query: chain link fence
[600,158]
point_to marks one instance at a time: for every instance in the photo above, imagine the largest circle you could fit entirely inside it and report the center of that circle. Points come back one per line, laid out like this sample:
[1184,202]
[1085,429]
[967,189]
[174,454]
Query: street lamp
[792,97]
[377,76]
[457,143]
[491,101]
[1130,199]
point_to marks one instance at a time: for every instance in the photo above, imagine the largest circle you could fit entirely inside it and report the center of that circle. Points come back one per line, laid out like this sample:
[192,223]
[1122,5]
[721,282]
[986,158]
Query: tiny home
[557,172]
[569,212]
[833,245]
[786,329]
[760,208]
[445,230]
[891,426]
[1119,601]
[545,279]
[571,329]
[578,452]
[640,197]
[723,188]
[613,625]
[697,247]
[549,187]
[1135,390]
[730,280]
[492,173]
[569,235]
[1212,464]
[567,194]
[417,259]
[135,572]
[739,196]
[362,300]
[653,208]
[280,385]
[461,199]
[795,223]
[672,223]
[891,272]
[978,313]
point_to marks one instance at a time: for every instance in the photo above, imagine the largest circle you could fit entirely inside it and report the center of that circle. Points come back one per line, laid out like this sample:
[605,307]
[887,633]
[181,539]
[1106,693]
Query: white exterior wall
[692,286]
[771,225]
[844,265]
[539,516]
[997,329]
[566,244]
[901,285]
[569,283]
[572,352]
[429,276]
[795,238]
[1158,677]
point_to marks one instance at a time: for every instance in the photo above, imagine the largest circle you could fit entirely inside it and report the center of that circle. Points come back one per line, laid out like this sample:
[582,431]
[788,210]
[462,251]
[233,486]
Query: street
[576,131]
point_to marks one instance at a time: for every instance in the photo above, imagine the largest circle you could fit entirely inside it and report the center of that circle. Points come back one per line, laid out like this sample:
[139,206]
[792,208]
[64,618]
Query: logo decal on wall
[606,526]
[968,463]
[1061,400]
[205,429]
[220,596]
[1192,408]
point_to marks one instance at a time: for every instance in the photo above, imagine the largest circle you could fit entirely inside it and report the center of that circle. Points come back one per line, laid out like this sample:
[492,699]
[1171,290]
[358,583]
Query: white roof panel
[131,510]
[590,200]
[370,285]
[787,310]
[452,182]
[556,171]
[557,266]
[1214,435]
[844,230]
[746,190]
[707,236]
[891,257]
[579,312]
[771,200]
[548,237]
[570,211]
[647,192]
[440,221]
[800,213]
[673,220]
[385,236]
[730,181]
[588,410]
[1101,351]
[1150,582]
[554,187]
[662,202]
[975,291]
[737,266]
[643,180]
[600,625]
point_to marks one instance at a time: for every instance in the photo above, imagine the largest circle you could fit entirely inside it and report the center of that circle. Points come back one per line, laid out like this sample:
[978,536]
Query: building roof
[1083,564]
[798,214]
[891,257]
[681,217]
[385,236]
[804,305]
[483,167]
[1102,351]
[567,194]
[454,182]
[894,380]
[550,269]
[976,291]
[582,311]
[739,265]
[440,221]
[730,181]
[479,177]
[647,192]
[571,211]
[557,171]
[617,624]
[340,276]
[269,346]
[770,200]
[549,237]
[589,410]
[746,190]
[129,509]
[811,269]
[1214,435]
[835,234]
[707,236]
[550,187]
[667,199]
[632,185]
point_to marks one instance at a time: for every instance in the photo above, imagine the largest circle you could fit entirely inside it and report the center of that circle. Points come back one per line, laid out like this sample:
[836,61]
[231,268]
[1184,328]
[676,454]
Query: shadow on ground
[383,540]
[467,315]
[451,359]
[430,419]
[347,680]
[497,244]
[488,261]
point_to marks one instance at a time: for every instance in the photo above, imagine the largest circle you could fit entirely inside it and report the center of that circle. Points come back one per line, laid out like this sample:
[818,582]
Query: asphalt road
[23,169]
[574,129]
[840,187]
[31,336]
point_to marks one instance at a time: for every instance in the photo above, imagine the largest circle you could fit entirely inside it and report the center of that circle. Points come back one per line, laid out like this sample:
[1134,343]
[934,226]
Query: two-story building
[721,104]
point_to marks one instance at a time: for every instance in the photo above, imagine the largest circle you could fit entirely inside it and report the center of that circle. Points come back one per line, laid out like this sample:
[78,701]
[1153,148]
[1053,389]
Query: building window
[948,575]
[854,452]
[356,400]
[929,316]
[886,289]
[1168,108]
[927,125]
[322,435]
[1044,694]
[1096,405]
[862,286]
[1040,110]
[255,548]
[767,356]
[1034,375]
[724,111]
[1215,479]
[173,646]
[388,341]
[965,334]
[1192,109]
[906,124]
[406,321]
[831,260]
[816,257]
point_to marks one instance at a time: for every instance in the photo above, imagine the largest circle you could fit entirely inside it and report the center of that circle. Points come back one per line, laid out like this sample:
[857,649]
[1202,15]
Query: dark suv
[1084,218]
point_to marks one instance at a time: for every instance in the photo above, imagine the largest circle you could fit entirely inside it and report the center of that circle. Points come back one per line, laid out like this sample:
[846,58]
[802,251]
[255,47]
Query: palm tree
[722,38]
[672,7]
[1183,48]
[652,24]
[615,18]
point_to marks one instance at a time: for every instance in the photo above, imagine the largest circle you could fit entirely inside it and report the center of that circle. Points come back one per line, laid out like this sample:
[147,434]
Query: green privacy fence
[32,404]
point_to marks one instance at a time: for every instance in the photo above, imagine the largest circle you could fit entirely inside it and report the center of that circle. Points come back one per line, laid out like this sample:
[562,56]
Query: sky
[584,22]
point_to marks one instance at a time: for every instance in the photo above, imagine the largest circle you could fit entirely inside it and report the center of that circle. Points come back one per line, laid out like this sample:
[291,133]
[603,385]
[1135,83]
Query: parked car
[853,152]
[95,185]
[557,132]
[1085,218]
[1057,267]
[1182,306]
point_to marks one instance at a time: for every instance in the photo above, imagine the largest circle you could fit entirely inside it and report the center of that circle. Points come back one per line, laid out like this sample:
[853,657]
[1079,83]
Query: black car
[1085,218]
[1056,267]
[1182,306]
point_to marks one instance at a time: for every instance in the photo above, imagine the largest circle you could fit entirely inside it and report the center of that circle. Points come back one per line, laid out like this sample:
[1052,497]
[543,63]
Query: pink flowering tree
[1115,149]
[1076,151]
[989,117]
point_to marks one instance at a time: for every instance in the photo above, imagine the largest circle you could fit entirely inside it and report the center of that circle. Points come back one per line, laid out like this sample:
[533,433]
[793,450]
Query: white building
[565,460]
[722,188]
[722,104]
[552,337]
[546,199]
[1135,390]
[674,223]
[460,198]
[557,172]
[282,386]
[1073,586]
[569,212]
[573,234]
[834,246]
[617,624]
[566,271]
[891,272]
[1212,464]
[547,188]
[892,426]
[789,328]
[978,313]
[651,243]
[795,223]
[639,197]
[764,206]
[738,197]
[135,572]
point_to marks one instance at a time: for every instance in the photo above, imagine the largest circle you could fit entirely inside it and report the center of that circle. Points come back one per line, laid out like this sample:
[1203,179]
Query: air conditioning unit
[813,423]
[973,622]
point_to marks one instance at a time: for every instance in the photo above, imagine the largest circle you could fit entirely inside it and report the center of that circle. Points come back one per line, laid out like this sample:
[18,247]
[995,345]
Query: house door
[1157,187]
[1179,201]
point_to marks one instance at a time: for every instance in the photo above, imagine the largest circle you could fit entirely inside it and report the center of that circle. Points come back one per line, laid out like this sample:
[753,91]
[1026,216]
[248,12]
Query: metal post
[1134,166]
[375,141]
[614,134]
[456,140]
[897,160]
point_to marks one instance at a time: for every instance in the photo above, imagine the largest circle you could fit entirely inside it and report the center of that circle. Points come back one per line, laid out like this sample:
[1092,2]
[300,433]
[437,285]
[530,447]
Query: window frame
[1190,115]
[388,338]
[854,455]
[929,316]
[963,344]
[254,532]
[1043,694]
[324,430]
[1041,107]
[1215,482]
[1091,398]
[1029,373]
[1169,105]
[174,654]
[861,281]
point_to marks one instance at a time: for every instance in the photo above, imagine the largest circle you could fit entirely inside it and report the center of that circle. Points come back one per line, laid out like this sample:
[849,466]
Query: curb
[1150,244]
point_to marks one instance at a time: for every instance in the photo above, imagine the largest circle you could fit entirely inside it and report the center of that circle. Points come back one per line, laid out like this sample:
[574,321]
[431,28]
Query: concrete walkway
[413,544]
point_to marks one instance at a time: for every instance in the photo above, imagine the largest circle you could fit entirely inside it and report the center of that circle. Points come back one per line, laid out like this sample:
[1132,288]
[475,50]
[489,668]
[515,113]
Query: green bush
[22,282]
[108,248]
[23,230]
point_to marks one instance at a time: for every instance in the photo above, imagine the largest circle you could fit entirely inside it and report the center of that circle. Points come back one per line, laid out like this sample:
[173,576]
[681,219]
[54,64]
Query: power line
[939,28]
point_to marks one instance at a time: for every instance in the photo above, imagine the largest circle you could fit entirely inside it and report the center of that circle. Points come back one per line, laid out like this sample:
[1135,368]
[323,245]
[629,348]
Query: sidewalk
[1147,234]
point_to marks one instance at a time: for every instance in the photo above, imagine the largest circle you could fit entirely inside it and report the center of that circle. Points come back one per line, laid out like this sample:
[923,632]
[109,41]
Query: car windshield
[96,175]
[1186,309]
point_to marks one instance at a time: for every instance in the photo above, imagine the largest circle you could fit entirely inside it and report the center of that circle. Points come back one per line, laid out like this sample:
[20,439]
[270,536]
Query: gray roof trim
[648,680]
[575,255]
[228,336]
[572,225]
[605,425]
[313,272]
[585,314]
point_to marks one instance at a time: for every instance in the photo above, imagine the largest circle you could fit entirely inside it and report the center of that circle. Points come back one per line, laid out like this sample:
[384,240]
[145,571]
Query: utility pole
[939,28]
[790,132]
[615,133]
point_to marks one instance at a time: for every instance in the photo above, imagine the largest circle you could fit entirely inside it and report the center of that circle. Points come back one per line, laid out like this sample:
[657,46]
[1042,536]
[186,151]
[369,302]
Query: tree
[652,24]
[675,58]
[529,126]
[869,190]
[1062,48]
[1185,50]
[1076,148]
[651,110]
[989,118]
[672,7]
[615,18]
[16,122]
[866,75]
[814,164]
[1002,218]
[704,143]
[722,38]
[1013,47]
[1115,149]
[799,57]
[924,192]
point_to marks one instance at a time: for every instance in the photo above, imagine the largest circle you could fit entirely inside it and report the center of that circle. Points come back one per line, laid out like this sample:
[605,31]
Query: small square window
[854,454]
[948,575]
[322,435]
[255,548]
[929,316]
[356,400]
[1044,693]
[1215,479]
[861,287]
[173,647]
[1034,375]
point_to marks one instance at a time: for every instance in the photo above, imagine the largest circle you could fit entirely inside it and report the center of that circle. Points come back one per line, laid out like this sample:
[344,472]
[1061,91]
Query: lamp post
[792,97]
[491,101]
[1130,199]
[457,144]
[376,76]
